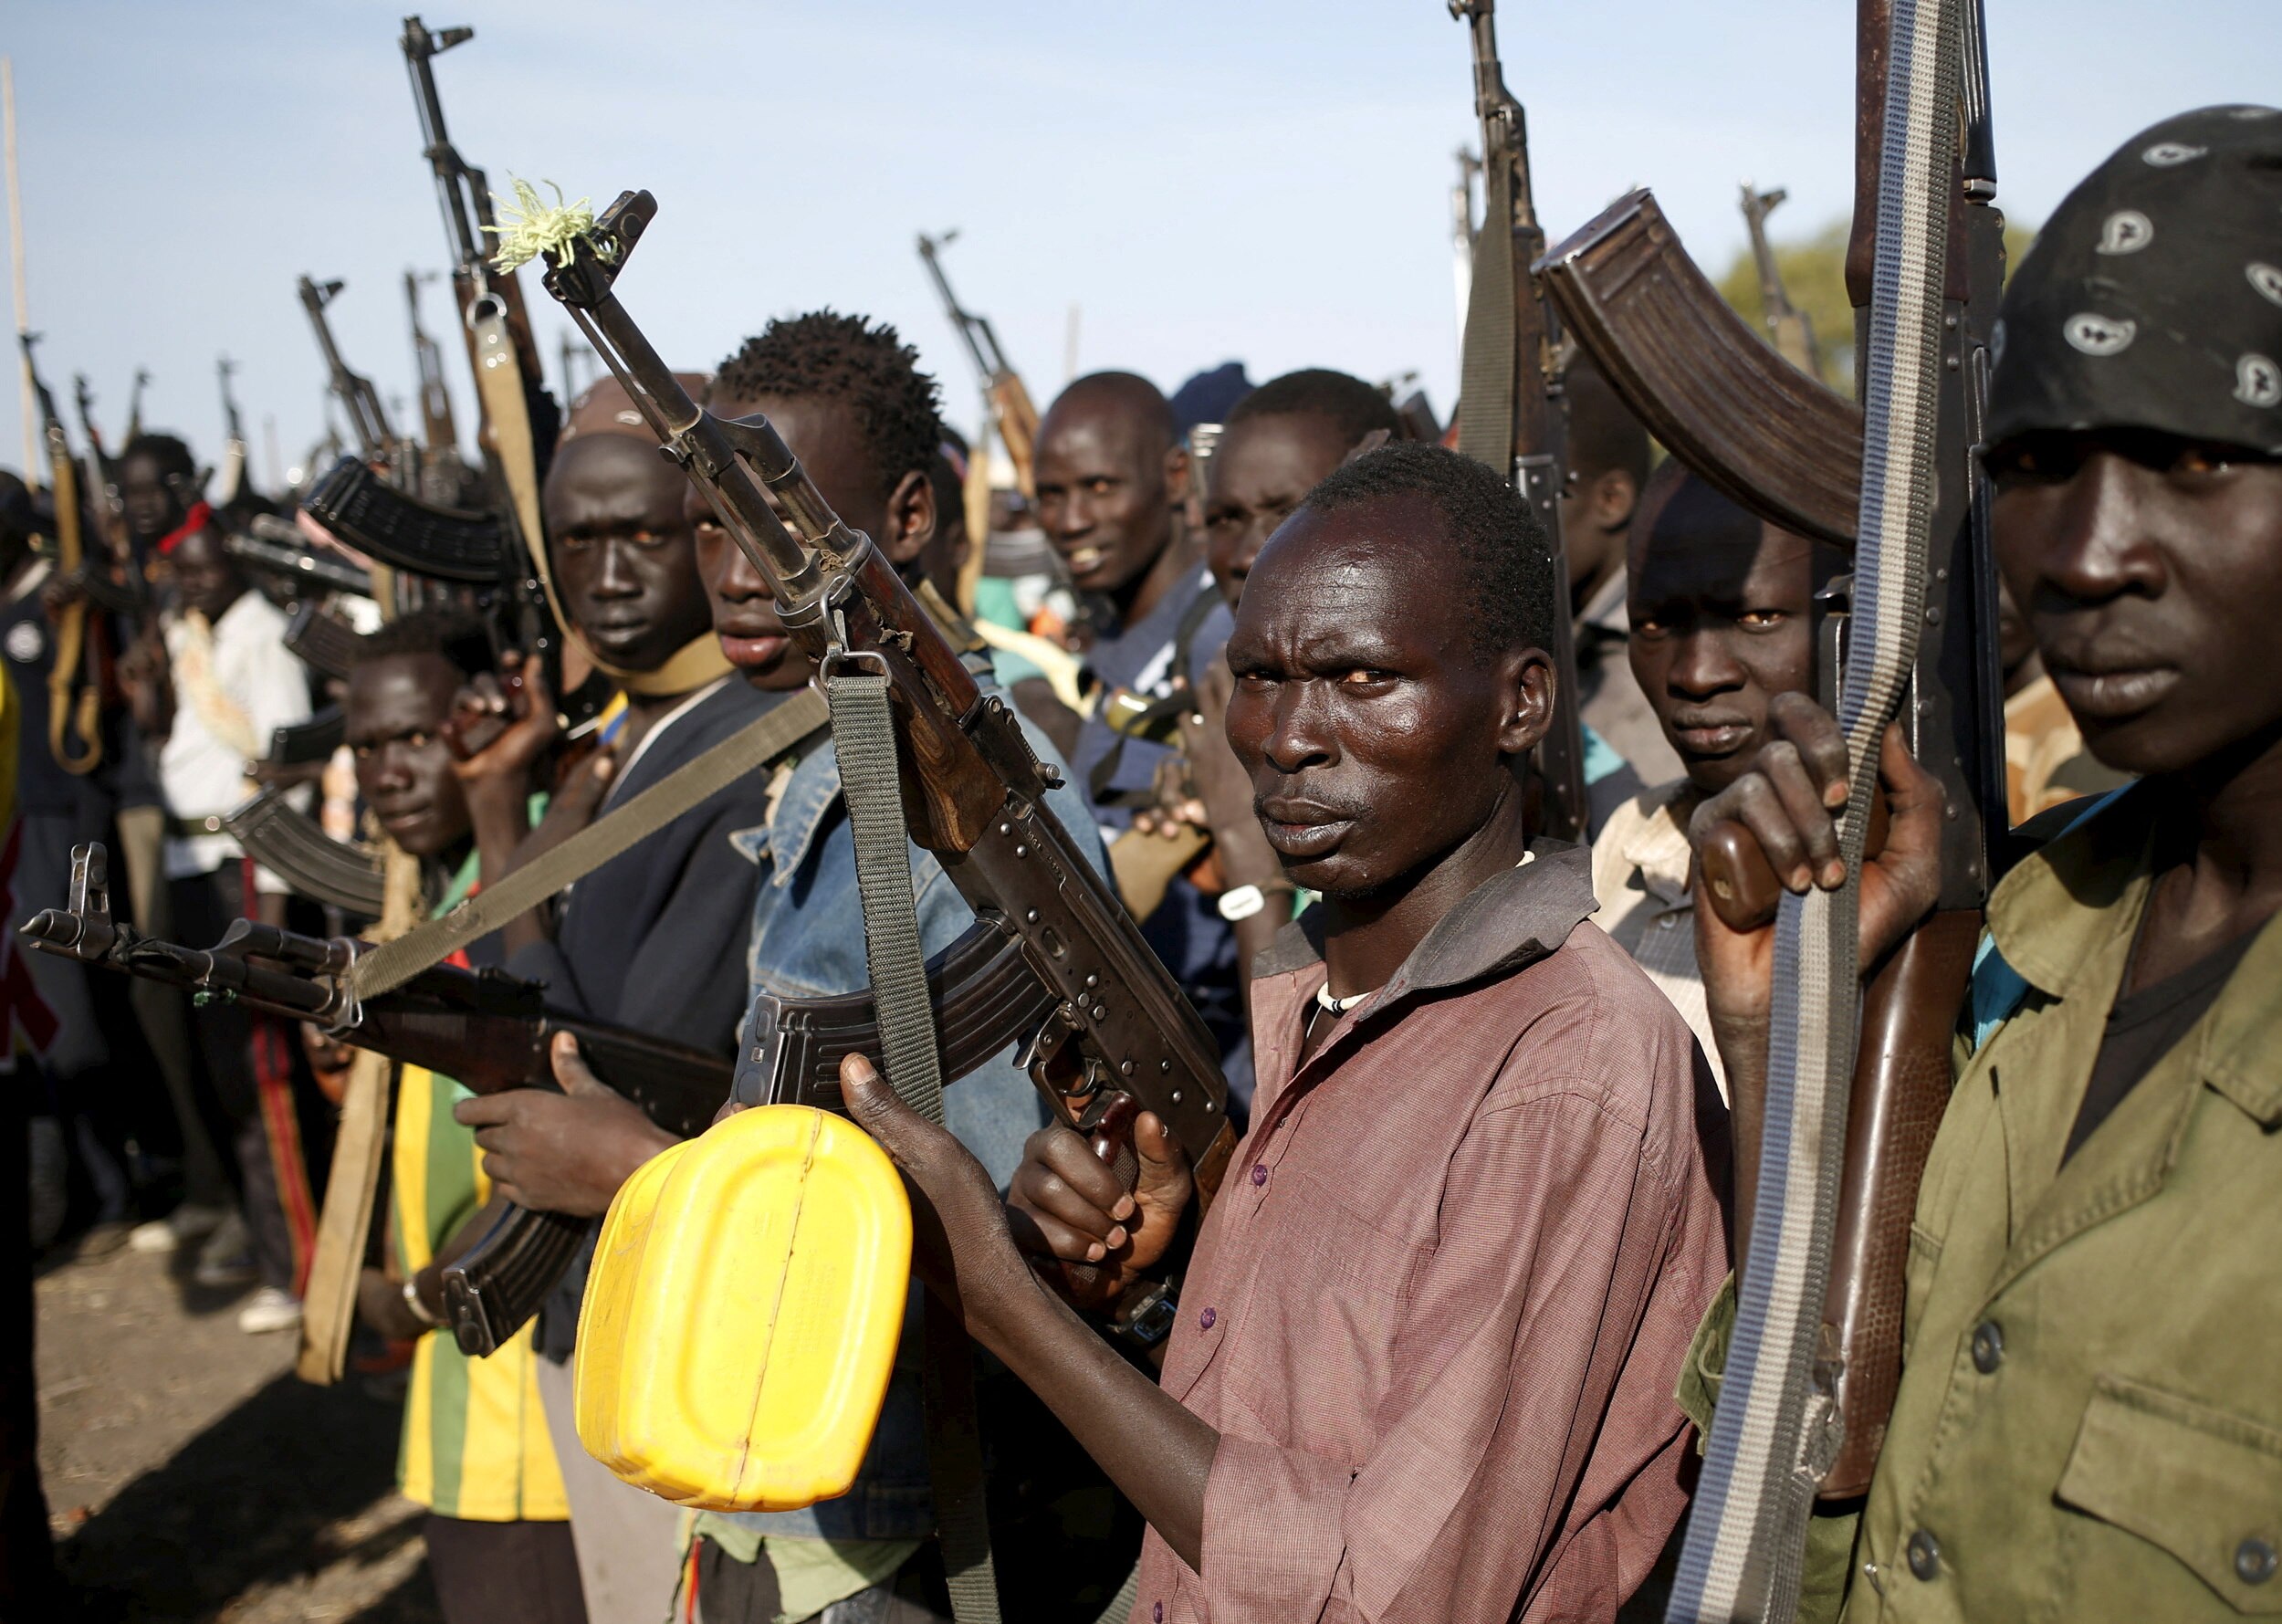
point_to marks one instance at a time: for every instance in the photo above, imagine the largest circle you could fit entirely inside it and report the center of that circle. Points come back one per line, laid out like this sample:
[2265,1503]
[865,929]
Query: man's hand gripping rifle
[1117,1038]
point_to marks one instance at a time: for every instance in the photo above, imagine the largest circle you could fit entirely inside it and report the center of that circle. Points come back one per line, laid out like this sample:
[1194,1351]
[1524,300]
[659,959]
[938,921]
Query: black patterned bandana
[2152,299]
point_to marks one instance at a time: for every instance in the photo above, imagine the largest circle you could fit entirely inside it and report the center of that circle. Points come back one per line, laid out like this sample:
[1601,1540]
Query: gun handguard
[1118,1034]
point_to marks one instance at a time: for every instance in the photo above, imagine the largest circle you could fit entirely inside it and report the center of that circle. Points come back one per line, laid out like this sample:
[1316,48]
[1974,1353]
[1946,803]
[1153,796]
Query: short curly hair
[169,452]
[1352,406]
[1503,548]
[456,635]
[824,355]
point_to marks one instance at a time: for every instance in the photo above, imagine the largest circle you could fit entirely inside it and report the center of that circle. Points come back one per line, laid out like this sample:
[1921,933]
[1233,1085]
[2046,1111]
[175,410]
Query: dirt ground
[192,1477]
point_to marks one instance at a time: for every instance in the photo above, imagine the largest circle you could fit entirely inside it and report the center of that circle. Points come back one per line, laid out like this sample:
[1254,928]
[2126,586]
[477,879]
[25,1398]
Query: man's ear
[1366,445]
[1615,497]
[1176,474]
[1525,695]
[910,518]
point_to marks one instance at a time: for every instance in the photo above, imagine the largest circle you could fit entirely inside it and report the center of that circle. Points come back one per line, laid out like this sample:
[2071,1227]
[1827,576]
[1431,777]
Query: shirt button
[1259,1174]
[1988,1346]
[1665,923]
[1156,1613]
[1204,1320]
[2254,1561]
[1925,1555]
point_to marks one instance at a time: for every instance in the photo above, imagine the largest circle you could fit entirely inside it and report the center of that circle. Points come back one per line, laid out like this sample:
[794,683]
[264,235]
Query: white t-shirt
[201,766]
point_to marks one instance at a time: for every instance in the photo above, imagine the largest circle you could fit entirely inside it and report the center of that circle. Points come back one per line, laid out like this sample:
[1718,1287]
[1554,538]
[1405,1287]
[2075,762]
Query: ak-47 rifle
[75,682]
[1106,1033]
[1510,410]
[1792,451]
[519,415]
[438,433]
[489,1030]
[368,420]
[1011,412]
[322,641]
[1787,325]
[274,547]
[232,479]
[83,400]
[134,408]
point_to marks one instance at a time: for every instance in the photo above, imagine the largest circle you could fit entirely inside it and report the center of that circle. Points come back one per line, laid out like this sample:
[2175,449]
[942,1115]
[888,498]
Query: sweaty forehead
[1380,566]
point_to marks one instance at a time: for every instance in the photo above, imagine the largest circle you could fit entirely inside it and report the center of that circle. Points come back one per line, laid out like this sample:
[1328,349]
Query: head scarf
[604,408]
[2152,299]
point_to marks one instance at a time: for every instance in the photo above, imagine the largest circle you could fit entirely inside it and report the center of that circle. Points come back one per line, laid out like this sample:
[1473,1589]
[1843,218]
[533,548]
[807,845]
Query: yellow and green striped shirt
[475,1440]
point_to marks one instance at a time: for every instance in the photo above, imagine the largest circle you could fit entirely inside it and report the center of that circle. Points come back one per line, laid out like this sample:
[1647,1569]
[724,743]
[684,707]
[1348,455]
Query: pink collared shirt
[1438,1308]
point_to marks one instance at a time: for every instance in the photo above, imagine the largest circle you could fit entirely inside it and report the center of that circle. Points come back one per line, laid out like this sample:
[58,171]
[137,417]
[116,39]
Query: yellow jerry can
[743,1311]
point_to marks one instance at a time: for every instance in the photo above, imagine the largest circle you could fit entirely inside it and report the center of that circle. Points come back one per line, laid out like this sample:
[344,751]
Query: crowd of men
[1448,1343]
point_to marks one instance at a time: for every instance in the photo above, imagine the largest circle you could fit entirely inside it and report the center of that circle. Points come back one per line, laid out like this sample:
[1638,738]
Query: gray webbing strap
[863,736]
[393,964]
[1486,371]
[1775,1430]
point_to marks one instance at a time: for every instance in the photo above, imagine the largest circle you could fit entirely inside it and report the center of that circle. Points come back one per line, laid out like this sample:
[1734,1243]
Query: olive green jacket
[2089,1422]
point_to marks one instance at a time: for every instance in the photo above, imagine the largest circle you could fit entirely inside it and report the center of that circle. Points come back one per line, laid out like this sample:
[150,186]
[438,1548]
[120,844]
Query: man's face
[2150,569]
[1721,607]
[1378,741]
[825,437]
[1103,499]
[625,565]
[1262,471]
[204,573]
[150,504]
[394,711]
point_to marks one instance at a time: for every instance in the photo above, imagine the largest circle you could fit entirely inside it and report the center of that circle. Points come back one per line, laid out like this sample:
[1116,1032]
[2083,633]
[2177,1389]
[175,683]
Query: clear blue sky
[1263,179]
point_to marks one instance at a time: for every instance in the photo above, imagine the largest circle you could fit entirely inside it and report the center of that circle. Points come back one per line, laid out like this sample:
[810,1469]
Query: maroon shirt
[1439,1309]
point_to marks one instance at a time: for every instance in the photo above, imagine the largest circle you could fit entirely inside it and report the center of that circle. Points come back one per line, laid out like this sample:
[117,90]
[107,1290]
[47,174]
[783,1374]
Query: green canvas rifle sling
[784,728]
[863,736]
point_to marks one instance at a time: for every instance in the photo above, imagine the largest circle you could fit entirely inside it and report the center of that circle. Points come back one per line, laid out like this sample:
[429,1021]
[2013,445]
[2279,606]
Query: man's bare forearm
[1157,1452]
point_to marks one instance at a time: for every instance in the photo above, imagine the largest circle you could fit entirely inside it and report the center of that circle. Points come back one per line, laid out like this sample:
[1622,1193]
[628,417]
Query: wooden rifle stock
[75,679]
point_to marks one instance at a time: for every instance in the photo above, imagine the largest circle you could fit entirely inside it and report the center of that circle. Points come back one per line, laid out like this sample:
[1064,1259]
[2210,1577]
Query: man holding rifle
[2086,1425]
[1423,1362]
[1111,476]
[475,1451]
[648,939]
[849,398]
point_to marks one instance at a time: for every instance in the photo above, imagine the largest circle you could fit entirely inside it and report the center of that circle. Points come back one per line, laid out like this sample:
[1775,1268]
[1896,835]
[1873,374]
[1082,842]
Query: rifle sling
[863,734]
[1486,372]
[761,741]
[1777,1428]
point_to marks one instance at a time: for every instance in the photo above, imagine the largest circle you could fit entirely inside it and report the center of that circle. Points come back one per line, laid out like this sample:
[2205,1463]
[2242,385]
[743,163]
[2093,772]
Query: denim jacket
[808,940]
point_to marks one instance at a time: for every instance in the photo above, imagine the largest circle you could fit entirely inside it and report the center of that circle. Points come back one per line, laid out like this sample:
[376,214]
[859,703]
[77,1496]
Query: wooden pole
[15,261]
